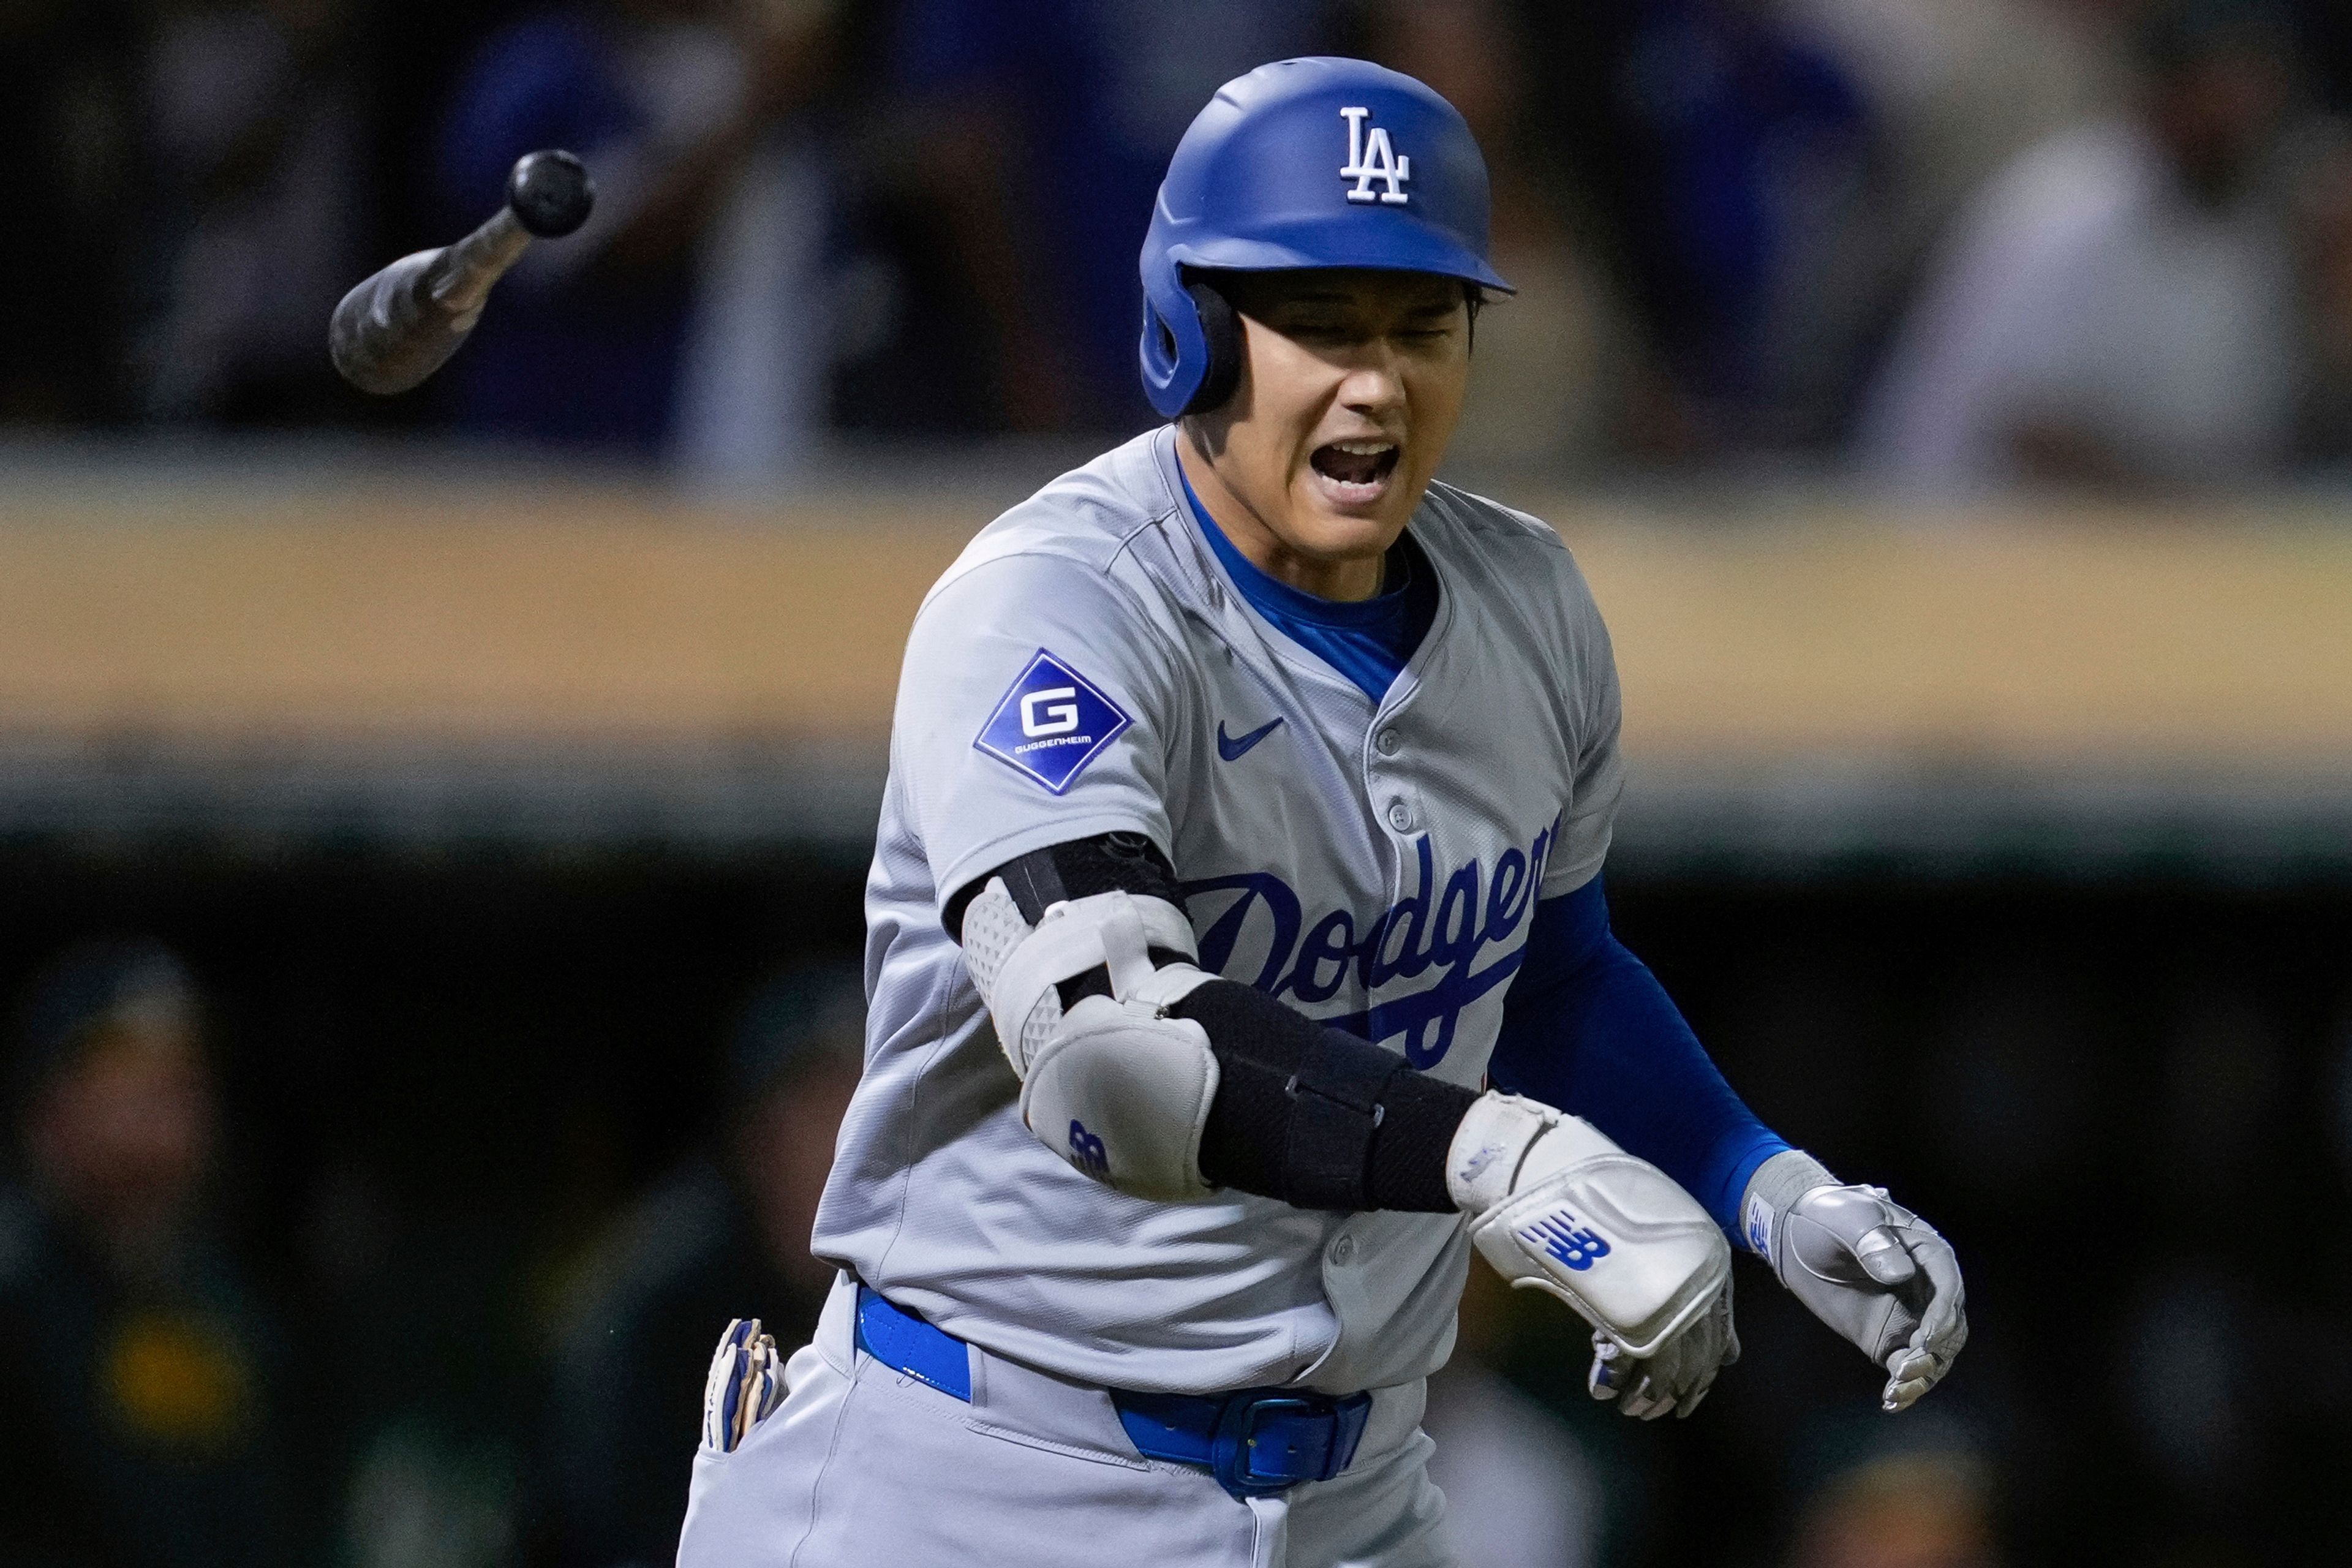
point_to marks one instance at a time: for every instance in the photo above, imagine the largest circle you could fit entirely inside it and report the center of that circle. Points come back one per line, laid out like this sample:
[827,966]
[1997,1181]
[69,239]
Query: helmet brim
[1319,248]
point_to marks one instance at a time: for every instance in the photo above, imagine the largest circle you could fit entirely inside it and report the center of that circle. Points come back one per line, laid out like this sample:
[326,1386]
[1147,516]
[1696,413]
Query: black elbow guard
[1303,1113]
[1317,1118]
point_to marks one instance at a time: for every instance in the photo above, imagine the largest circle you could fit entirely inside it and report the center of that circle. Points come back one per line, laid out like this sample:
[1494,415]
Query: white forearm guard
[1113,1085]
[1553,1203]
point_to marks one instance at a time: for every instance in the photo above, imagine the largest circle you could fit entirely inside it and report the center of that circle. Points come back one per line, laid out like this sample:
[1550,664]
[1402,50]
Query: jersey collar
[1186,564]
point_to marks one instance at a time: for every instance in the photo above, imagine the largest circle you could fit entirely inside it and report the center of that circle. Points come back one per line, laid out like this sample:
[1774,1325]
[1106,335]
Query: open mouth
[1356,470]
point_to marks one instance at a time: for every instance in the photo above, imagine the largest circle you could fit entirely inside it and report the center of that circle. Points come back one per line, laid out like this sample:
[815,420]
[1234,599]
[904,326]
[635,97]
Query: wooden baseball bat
[403,324]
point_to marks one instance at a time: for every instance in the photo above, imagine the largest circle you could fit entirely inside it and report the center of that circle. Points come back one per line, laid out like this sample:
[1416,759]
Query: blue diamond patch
[1051,724]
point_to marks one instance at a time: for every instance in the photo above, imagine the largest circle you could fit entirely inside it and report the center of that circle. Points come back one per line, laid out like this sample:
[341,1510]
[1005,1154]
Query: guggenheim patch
[1051,724]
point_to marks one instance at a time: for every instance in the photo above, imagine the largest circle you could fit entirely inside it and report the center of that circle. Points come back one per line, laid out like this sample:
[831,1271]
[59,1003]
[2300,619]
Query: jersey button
[1388,743]
[1399,815]
[1343,1251]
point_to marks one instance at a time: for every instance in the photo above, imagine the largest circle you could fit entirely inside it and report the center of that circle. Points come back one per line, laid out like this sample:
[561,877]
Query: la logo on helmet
[1370,158]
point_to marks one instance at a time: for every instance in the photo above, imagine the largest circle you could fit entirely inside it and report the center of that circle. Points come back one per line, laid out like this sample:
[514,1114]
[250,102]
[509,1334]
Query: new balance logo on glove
[1087,1152]
[1560,1235]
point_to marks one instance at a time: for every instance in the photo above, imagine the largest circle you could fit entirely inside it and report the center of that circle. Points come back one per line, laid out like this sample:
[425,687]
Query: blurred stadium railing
[424,649]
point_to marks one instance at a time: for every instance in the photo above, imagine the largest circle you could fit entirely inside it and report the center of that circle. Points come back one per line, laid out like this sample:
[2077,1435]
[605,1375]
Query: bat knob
[550,193]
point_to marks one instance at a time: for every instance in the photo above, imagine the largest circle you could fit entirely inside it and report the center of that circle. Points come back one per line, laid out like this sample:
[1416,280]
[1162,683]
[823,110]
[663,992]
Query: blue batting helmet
[1306,163]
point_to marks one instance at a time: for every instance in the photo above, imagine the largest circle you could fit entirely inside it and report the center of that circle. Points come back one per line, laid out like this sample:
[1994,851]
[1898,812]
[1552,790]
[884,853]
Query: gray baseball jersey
[1085,667]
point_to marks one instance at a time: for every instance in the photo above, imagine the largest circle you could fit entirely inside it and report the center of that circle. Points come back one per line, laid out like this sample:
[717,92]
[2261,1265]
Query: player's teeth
[1364,448]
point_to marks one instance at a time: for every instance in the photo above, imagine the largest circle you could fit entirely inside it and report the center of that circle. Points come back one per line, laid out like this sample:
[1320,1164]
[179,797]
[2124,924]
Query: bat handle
[460,279]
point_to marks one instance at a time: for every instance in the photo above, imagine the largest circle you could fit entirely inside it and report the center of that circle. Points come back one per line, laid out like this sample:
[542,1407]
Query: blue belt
[1255,1441]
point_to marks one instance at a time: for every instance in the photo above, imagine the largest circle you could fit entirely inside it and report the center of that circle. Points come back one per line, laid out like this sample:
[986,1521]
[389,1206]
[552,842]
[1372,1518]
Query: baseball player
[1248,796]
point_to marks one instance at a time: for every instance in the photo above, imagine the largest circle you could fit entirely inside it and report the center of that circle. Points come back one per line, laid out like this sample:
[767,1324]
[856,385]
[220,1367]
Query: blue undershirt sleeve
[1587,1028]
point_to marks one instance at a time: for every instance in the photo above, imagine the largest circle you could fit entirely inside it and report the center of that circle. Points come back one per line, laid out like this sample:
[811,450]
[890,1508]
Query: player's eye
[1423,337]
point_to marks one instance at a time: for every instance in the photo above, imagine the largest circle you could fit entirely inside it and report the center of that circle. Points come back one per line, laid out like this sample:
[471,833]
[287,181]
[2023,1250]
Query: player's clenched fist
[1555,1205]
[1865,1266]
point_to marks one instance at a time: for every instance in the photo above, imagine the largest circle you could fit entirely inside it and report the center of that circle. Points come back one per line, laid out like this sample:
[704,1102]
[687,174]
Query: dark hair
[1474,299]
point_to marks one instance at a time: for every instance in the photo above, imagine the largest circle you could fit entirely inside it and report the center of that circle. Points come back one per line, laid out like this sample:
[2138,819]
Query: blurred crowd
[1947,244]
[160,1406]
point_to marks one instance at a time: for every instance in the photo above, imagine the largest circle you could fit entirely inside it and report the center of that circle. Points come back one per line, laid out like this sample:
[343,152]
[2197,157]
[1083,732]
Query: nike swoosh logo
[1230,747]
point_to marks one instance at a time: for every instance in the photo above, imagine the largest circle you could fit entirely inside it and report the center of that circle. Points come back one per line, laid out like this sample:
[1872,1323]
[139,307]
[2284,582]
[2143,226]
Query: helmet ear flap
[1223,331]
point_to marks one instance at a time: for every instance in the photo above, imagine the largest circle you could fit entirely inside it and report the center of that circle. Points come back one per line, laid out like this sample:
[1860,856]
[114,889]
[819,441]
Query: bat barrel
[387,335]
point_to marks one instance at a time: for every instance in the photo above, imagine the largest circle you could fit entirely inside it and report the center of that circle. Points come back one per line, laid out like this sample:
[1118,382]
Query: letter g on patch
[1038,719]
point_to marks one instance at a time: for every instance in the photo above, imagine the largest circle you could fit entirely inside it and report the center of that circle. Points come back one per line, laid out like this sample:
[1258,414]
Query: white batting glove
[745,1385]
[1676,1378]
[1864,1265]
[1554,1206]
